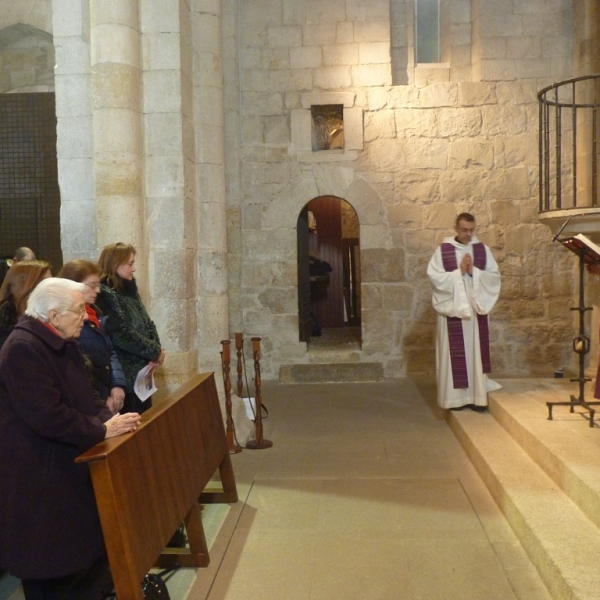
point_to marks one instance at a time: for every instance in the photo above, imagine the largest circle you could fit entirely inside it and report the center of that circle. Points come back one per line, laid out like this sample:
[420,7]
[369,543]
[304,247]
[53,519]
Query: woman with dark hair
[107,374]
[50,533]
[19,282]
[128,324]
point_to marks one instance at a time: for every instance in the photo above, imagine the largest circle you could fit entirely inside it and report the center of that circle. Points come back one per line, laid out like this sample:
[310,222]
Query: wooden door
[304,317]
[327,299]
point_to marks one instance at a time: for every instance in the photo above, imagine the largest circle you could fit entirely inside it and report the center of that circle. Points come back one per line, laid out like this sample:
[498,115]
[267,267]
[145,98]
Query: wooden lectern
[150,481]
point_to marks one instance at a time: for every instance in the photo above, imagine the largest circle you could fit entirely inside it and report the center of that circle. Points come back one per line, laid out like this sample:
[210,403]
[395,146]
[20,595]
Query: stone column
[212,306]
[117,125]
[232,131]
[586,60]
[74,129]
[170,181]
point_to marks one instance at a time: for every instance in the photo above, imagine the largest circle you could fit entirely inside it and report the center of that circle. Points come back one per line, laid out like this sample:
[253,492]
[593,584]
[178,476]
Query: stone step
[331,372]
[566,448]
[561,540]
[333,355]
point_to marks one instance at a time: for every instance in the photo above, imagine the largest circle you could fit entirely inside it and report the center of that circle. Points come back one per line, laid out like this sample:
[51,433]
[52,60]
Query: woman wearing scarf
[103,363]
[128,324]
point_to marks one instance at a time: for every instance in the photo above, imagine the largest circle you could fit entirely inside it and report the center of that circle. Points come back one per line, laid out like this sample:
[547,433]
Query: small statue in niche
[327,127]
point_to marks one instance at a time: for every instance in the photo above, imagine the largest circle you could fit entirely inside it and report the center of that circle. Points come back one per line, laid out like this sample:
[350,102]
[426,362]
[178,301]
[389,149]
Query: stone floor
[366,494]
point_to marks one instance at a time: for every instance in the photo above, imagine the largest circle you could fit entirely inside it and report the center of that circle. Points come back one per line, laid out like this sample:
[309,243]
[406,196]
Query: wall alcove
[329,274]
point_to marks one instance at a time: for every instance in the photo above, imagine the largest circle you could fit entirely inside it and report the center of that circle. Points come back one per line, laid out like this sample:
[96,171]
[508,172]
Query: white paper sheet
[144,383]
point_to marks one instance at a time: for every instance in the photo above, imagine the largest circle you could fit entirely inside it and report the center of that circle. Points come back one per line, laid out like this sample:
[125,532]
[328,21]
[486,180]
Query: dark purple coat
[49,414]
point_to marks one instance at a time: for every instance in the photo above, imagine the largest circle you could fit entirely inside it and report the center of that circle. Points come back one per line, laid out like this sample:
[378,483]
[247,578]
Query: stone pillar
[586,61]
[232,130]
[212,306]
[74,129]
[117,125]
[170,212]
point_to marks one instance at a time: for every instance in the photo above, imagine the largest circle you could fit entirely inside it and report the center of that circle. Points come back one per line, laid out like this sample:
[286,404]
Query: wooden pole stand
[239,346]
[259,443]
[233,446]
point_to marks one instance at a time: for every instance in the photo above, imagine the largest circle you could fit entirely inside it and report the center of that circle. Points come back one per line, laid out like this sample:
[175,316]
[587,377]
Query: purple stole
[456,338]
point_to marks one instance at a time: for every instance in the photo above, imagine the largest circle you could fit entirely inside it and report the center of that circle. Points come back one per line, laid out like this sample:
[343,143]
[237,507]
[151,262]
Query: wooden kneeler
[150,481]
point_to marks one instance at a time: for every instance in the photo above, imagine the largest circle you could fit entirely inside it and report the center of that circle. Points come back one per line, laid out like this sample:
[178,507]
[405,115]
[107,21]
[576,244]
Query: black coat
[130,328]
[8,319]
[49,414]
[104,365]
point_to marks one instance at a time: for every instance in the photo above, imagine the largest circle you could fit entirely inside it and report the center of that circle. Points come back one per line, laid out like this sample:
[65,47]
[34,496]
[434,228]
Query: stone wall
[458,136]
[184,127]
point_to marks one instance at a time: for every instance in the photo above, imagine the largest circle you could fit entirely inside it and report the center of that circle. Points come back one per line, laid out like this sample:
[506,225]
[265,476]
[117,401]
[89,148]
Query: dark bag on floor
[155,588]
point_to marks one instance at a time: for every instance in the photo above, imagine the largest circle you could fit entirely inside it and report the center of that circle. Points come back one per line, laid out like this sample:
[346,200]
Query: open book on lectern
[582,244]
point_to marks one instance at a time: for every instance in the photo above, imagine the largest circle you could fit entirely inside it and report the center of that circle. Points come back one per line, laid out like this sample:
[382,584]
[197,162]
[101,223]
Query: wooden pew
[150,481]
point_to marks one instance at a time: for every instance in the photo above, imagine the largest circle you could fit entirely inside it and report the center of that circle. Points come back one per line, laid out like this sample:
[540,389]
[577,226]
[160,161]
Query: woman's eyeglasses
[78,311]
[94,286]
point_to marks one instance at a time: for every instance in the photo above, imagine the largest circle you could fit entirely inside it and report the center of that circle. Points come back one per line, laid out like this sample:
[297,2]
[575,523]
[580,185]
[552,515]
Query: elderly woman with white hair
[49,414]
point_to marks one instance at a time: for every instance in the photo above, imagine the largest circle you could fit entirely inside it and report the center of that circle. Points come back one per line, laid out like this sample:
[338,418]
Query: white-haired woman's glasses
[78,311]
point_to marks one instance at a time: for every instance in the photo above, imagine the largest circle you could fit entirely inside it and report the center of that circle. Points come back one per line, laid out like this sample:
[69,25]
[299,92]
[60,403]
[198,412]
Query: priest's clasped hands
[466,264]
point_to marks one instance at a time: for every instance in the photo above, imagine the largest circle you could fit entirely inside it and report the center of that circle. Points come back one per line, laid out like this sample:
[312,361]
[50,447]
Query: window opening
[427,31]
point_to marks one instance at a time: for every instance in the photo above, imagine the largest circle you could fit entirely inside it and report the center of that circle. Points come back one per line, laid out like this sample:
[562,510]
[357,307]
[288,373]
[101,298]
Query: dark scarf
[128,288]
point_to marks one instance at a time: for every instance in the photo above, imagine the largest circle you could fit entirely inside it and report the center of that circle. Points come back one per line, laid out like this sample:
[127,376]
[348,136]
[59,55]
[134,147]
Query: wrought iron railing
[568,144]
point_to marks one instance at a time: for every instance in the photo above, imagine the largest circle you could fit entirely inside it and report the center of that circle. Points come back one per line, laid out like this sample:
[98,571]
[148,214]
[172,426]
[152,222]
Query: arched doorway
[329,299]
[29,190]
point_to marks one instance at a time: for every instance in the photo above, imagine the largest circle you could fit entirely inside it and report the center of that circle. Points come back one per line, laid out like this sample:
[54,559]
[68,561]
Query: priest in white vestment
[466,285]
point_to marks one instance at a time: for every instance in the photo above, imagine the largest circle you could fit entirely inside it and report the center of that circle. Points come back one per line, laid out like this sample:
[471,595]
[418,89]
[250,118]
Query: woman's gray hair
[53,293]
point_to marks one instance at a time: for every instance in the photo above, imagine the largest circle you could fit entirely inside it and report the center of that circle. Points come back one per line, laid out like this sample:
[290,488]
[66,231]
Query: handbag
[155,588]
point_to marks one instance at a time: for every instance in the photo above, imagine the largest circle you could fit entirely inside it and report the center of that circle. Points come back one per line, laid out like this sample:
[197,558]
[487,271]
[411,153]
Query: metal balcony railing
[568,144]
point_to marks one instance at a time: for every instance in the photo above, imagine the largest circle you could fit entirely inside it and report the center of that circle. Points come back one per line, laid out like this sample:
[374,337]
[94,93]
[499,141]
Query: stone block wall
[522,39]
[459,136]
[184,127]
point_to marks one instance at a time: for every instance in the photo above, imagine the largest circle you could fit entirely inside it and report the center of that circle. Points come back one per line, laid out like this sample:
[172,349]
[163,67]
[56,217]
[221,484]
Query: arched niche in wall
[27,60]
[29,191]
[329,275]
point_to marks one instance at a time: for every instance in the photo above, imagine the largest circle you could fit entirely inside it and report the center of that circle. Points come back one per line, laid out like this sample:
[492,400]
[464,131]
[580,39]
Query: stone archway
[329,277]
